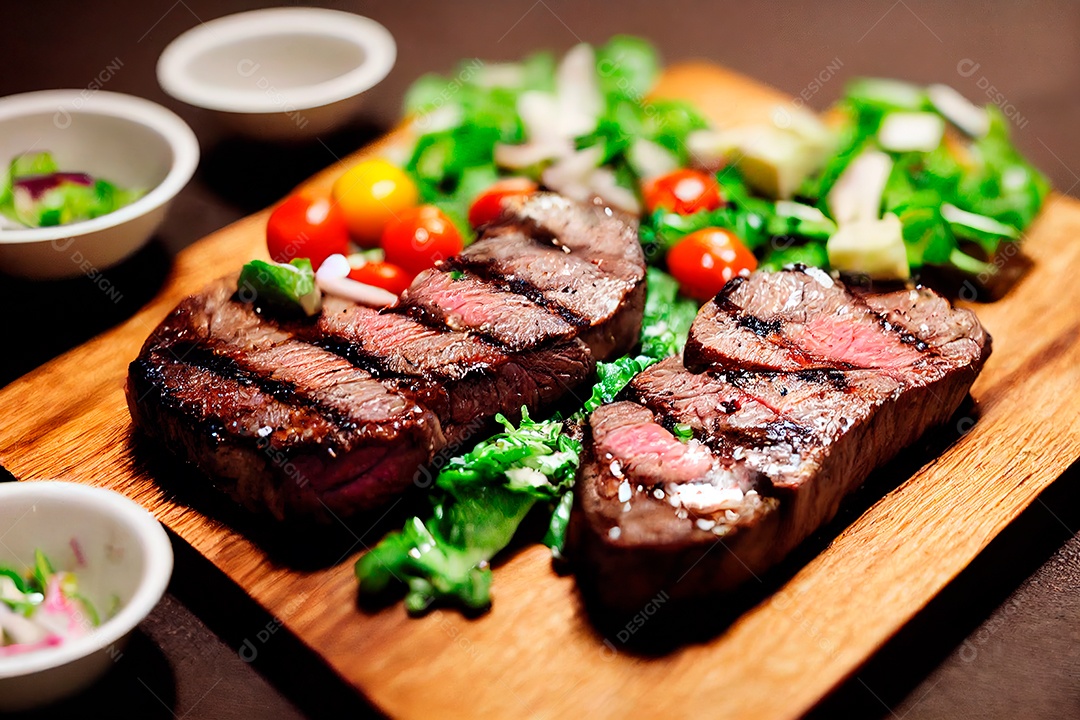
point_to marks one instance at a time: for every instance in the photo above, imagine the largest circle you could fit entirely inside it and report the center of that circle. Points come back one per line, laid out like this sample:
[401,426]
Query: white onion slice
[960,111]
[571,175]
[520,157]
[650,159]
[857,193]
[602,183]
[911,131]
[332,278]
[578,92]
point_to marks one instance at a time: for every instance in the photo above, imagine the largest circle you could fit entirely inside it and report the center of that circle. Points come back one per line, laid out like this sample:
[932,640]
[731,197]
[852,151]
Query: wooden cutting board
[535,654]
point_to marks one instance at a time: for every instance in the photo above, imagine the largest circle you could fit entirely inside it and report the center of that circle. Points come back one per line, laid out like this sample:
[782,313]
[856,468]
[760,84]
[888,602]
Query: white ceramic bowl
[127,140]
[281,73]
[127,555]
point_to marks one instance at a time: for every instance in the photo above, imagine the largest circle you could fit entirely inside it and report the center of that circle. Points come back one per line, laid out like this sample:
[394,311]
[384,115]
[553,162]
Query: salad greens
[40,607]
[35,193]
[957,200]
[944,168]
[910,178]
[479,499]
[582,126]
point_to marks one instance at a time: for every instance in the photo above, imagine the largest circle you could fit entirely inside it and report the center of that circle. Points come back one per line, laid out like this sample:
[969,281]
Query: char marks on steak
[336,414]
[798,390]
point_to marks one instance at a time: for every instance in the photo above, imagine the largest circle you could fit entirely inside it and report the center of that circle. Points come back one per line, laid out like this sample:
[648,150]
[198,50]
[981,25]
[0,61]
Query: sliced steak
[581,262]
[798,319]
[337,414]
[280,424]
[466,303]
[647,507]
[606,238]
[802,439]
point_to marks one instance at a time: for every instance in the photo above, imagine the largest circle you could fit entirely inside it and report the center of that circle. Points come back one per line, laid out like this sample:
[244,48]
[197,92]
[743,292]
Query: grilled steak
[798,391]
[337,414]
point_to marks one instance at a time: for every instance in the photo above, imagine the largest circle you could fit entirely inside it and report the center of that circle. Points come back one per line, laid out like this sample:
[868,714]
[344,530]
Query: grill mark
[377,365]
[283,391]
[486,271]
[724,441]
[770,329]
[892,329]
[762,328]
[152,374]
[431,320]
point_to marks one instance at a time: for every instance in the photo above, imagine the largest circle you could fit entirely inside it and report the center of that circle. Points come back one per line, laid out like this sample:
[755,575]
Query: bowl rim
[176,133]
[155,574]
[380,54]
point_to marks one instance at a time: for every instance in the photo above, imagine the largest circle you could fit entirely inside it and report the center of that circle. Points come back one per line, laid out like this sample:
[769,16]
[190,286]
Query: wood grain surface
[536,653]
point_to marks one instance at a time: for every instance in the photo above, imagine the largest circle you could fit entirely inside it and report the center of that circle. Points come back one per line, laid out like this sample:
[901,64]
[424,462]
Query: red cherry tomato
[683,191]
[488,205]
[304,226]
[383,275]
[705,260]
[419,237]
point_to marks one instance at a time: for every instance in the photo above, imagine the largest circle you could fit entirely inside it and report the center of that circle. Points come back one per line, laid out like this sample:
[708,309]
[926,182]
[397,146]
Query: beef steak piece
[338,414]
[798,391]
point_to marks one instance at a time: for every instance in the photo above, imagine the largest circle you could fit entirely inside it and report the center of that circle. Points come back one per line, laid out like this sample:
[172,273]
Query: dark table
[1000,641]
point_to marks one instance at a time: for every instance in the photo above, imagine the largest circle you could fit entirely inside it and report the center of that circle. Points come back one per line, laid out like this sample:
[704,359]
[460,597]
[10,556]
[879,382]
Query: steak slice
[801,439]
[604,237]
[280,424]
[467,303]
[339,413]
[473,377]
[797,319]
[582,262]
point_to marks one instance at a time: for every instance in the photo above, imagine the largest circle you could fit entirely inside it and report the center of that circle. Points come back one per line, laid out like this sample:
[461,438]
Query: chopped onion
[520,157]
[570,175]
[579,96]
[539,113]
[492,75]
[333,279]
[911,131]
[857,193]
[960,111]
[604,185]
[649,159]
[443,118]
[981,224]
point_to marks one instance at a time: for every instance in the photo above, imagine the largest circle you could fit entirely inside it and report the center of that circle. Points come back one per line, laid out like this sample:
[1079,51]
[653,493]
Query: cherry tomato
[488,205]
[705,260]
[383,275]
[419,237]
[683,191]
[370,194]
[306,226]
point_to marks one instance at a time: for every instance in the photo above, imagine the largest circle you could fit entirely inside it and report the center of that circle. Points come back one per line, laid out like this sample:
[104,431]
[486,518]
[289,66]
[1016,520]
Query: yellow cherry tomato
[370,194]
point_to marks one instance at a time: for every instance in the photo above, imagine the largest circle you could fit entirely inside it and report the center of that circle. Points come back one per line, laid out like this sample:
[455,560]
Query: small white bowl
[127,555]
[281,73]
[127,140]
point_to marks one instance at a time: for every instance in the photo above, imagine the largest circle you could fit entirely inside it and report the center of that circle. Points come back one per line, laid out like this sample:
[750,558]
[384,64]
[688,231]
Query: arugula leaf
[627,66]
[478,502]
[811,254]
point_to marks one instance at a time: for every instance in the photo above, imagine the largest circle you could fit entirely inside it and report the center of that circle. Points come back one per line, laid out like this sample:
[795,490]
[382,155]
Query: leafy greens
[479,499]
